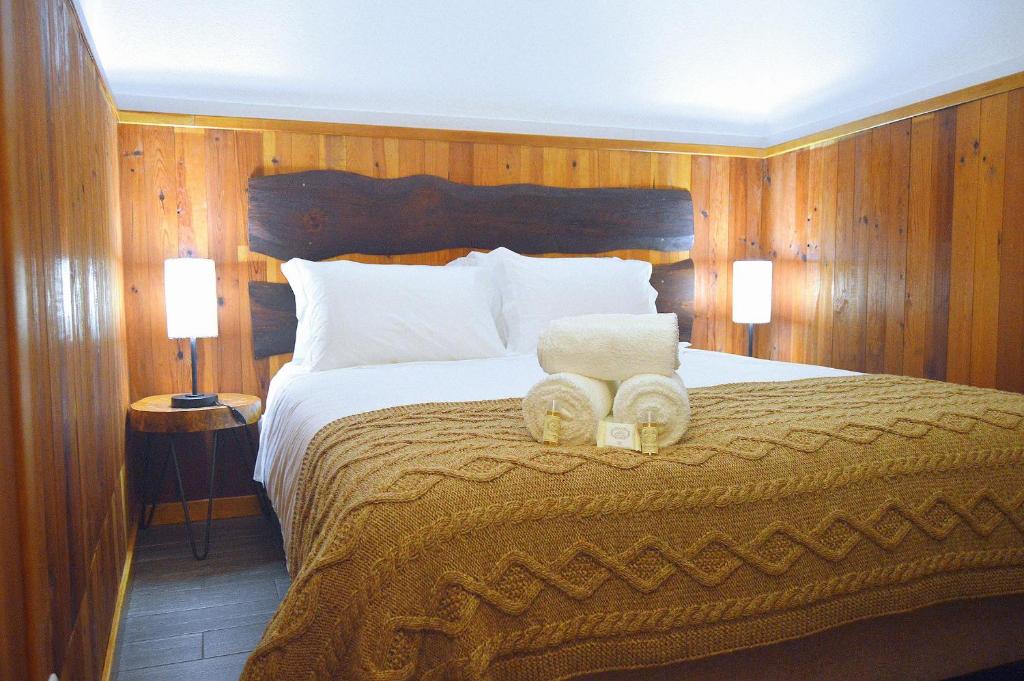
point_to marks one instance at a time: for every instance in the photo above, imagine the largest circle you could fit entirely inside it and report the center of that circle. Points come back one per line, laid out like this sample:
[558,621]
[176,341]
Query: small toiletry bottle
[649,436]
[552,425]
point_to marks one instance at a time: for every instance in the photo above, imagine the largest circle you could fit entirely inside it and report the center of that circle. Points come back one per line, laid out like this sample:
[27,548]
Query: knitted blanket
[439,541]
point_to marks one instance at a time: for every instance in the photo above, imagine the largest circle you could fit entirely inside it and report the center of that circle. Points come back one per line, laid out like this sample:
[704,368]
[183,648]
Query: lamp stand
[750,340]
[195,398]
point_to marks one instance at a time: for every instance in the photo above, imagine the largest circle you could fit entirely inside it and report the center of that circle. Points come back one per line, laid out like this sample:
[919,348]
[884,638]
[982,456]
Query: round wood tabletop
[155,414]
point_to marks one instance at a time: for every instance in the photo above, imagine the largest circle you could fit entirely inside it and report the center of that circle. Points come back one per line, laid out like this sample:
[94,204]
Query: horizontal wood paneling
[898,250]
[65,384]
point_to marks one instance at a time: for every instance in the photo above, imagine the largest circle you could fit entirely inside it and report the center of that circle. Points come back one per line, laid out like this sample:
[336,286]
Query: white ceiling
[741,72]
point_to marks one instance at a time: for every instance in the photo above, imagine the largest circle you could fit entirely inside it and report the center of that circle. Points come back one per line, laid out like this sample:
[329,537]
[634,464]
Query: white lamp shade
[752,291]
[190,291]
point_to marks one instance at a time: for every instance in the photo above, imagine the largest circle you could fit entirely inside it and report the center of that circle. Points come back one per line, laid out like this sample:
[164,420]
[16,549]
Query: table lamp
[751,295]
[190,290]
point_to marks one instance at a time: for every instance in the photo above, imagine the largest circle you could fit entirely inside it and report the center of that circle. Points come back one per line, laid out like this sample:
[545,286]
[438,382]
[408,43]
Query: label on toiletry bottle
[649,438]
[552,428]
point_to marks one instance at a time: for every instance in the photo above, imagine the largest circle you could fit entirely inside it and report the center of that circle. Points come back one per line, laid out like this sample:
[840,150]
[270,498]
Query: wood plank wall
[183,192]
[65,377]
[878,255]
[898,250]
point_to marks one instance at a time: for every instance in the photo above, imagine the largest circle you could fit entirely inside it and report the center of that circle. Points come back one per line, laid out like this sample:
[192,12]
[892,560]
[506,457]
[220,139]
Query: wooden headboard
[326,214]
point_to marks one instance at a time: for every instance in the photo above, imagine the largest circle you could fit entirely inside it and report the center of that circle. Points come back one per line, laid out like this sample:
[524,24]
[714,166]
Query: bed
[871,528]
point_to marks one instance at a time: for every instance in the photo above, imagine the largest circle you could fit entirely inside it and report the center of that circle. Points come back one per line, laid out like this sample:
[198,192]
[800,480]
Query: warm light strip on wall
[429,134]
[992,87]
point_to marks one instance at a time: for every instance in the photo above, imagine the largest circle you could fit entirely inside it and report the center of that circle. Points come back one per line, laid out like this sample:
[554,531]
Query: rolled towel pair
[650,398]
[581,402]
[611,347]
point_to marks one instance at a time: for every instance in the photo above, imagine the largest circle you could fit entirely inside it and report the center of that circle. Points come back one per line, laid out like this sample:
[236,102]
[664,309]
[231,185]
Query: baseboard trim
[122,594]
[170,513]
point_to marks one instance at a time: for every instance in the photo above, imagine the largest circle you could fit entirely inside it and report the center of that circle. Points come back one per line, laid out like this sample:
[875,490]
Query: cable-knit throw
[441,542]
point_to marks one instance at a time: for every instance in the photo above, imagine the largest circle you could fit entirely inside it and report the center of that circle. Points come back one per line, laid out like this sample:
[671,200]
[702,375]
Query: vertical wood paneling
[825,214]
[847,311]
[1010,336]
[875,245]
[720,256]
[965,214]
[64,376]
[881,247]
[920,277]
[801,248]
[992,175]
[943,168]
[896,207]
[202,176]
[700,188]
[896,250]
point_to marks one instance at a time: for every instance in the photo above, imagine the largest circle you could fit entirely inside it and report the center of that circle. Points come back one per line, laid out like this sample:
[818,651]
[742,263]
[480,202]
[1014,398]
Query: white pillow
[535,291]
[489,263]
[352,314]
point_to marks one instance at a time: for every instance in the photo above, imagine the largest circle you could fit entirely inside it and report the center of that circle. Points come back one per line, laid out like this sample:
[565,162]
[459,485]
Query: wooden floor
[198,620]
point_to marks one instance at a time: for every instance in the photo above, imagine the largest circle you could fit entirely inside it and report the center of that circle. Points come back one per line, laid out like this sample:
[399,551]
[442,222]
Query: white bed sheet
[300,402]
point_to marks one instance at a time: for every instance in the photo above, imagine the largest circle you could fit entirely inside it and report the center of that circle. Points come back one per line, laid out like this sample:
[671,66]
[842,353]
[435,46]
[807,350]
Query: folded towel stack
[583,354]
[612,347]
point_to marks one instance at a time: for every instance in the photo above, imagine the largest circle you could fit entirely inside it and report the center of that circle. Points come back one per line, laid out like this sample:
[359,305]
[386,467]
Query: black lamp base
[189,401]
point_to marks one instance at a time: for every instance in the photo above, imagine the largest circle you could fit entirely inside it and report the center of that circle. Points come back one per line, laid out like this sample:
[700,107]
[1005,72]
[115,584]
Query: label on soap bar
[552,428]
[615,434]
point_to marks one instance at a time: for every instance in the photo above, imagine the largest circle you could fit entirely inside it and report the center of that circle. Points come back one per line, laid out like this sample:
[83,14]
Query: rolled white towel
[580,401]
[611,347]
[662,399]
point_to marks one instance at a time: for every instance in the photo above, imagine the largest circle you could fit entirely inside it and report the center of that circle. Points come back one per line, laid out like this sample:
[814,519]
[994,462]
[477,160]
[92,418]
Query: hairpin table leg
[151,496]
[199,555]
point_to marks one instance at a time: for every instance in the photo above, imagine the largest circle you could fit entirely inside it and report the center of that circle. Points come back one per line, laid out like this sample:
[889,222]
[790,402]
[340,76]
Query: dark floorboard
[198,620]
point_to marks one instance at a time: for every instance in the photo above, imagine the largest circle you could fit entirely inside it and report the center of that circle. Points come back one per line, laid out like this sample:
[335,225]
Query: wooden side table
[156,418]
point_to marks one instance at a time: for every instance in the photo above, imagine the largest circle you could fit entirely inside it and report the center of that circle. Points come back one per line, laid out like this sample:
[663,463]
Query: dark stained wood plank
[675,285]
[322,214]
[273,318]
[599,220]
